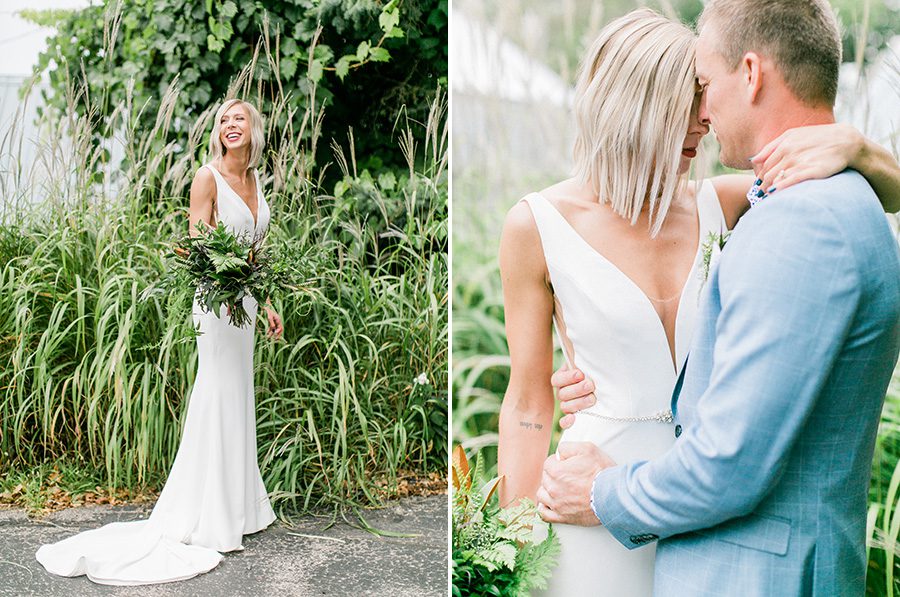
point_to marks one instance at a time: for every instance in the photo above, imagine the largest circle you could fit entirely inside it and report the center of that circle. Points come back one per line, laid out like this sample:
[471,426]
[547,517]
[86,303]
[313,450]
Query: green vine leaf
[362,50]
[214,44]
[316,68]
[379,54]
[323,53]
[289,47]
[342,67]
[389,17]
[288,68]
[229,9]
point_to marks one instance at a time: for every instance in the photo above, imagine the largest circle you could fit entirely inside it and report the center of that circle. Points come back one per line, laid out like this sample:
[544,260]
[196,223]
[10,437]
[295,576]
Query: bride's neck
[235,163]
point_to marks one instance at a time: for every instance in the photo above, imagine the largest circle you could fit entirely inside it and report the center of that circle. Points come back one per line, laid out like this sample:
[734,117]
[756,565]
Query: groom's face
[724,103]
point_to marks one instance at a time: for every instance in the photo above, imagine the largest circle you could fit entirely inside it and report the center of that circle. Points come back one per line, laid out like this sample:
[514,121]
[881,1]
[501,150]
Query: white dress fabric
[214,493]
[619,341]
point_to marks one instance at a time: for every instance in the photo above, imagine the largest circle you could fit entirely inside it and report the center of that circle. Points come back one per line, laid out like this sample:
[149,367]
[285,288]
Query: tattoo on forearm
[527,425]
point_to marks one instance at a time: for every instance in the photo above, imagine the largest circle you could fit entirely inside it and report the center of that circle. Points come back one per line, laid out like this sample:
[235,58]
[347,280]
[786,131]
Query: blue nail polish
[760,193]
[758,182]
[772,190]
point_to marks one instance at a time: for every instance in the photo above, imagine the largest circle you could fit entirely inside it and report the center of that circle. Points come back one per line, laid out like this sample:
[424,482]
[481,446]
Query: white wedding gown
[619,342]
[214,493]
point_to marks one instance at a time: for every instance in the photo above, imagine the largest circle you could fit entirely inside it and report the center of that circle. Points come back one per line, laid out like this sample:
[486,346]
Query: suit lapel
[677,390]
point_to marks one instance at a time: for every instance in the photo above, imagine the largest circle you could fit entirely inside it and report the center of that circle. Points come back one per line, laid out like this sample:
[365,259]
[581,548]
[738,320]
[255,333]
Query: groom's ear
[751,75]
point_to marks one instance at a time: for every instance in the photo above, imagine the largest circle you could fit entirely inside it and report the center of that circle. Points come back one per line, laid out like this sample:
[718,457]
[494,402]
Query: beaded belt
[663,416]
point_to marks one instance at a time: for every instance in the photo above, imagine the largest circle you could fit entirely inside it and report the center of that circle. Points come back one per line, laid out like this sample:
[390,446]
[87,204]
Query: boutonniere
[713,239]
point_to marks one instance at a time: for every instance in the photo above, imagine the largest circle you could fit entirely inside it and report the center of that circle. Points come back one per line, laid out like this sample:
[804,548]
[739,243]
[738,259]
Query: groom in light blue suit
[765,490]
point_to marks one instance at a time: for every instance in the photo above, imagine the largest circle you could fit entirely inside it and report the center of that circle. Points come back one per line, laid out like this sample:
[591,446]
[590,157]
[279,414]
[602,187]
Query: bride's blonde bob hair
[257,136]
[633,100]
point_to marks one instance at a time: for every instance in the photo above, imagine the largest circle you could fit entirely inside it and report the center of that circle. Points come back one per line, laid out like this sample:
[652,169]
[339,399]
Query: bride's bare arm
[203,196]
[526,416]
[822,150]
[809,152]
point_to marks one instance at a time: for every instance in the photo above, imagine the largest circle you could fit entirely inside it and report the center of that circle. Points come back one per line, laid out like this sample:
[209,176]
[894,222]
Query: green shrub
[93,375]
[360,58]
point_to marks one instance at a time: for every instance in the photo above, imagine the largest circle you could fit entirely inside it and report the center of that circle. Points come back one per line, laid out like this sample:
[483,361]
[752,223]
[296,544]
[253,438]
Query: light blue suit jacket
[764,493]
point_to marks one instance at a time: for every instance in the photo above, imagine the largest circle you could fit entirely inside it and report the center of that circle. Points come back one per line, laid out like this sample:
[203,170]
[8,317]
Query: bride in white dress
[214,493]
[618,276]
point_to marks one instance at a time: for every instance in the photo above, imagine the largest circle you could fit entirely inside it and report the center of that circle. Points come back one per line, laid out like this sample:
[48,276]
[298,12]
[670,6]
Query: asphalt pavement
[303,559]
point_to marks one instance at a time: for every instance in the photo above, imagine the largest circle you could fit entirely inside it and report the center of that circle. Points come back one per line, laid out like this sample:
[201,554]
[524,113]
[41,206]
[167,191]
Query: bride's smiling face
[696,130]
[234,131]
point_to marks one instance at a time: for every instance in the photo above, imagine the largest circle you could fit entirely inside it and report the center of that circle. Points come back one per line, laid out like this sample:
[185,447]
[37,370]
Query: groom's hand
[574,393]
[567,483]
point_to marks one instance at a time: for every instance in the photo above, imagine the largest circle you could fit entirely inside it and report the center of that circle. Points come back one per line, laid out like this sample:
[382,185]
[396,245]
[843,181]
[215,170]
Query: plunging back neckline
[238,195]
[671,347]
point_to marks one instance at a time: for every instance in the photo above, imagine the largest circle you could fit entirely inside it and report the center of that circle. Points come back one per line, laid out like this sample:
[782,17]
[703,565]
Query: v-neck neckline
[258,202]
[673,351]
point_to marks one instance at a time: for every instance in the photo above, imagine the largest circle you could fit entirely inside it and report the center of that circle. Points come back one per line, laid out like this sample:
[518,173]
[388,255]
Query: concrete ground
[280,561]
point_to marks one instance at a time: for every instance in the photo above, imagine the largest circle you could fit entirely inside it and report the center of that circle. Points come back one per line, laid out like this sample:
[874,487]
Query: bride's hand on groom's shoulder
[808,152]
[567,482]
[574,391]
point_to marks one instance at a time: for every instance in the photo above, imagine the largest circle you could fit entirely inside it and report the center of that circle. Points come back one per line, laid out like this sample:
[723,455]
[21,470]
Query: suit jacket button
[677,430]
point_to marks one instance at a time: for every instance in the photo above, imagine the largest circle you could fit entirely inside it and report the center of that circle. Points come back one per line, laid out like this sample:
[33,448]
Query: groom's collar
[756,193]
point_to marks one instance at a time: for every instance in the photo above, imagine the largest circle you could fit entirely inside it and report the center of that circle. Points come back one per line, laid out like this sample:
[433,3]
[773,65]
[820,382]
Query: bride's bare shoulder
[520,219]
[203,187]
[519,225]
[203,178]
[569,196]
[521,250]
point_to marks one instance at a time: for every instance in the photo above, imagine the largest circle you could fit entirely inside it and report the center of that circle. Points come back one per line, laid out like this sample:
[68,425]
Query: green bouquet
[496,551]
[225,268]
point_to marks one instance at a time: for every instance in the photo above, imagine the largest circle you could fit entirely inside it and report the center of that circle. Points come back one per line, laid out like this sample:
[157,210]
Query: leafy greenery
[310,47]
[94,373]
[223,268]
[884,500]
[496,551]
[714,240]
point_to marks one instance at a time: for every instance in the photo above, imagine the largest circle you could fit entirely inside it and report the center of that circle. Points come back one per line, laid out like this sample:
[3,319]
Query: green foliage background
[205,44]
[94,378]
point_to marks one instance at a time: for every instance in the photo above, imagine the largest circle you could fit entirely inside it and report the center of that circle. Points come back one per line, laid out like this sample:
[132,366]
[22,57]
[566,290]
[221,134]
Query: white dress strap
[709,209]
[554,230]
[216,174]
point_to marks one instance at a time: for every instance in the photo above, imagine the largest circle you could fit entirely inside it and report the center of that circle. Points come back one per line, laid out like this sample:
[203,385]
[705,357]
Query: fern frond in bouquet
[496,551]
[224,268]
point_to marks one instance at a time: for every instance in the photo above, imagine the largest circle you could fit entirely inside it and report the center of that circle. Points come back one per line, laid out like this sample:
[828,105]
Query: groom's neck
[791,115]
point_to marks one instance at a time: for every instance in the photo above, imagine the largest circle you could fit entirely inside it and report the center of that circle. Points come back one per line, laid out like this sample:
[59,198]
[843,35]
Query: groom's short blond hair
[802,37]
